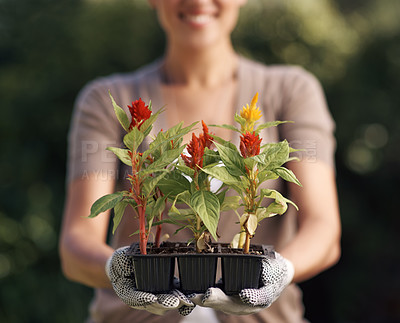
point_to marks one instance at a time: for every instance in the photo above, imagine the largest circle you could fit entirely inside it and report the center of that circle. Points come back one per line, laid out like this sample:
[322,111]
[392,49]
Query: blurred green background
[50,49]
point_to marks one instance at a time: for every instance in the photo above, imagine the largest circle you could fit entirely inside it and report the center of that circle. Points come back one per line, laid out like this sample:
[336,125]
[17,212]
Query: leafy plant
[164,172]
[244,170]
[190,185]
[148,168]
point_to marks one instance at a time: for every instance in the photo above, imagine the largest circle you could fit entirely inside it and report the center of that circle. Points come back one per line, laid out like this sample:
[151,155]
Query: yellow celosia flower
[251,114]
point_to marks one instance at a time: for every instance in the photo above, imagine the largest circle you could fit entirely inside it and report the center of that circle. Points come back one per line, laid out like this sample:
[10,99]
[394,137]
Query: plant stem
[142,228]
[242,238]
[158,231]
[251,204]
[140,201]
[247,244]
[198,223]
[159,194]
[197,235]
[158,236]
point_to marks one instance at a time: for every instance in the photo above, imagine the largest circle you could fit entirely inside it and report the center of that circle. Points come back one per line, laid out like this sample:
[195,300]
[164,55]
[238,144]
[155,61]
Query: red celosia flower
[205,137]
[250,144]
[196,148]
[140,112]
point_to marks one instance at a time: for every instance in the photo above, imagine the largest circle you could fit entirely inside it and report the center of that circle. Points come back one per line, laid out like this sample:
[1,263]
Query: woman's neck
[201,69]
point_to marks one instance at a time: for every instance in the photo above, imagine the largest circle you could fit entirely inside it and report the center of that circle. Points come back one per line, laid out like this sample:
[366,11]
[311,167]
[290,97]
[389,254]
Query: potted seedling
[148,168]
[197,208]
[245,170]
[165,172]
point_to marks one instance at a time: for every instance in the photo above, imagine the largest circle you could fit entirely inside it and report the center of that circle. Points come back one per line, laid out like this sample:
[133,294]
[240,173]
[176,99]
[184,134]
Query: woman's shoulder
[285,73]
[119,83]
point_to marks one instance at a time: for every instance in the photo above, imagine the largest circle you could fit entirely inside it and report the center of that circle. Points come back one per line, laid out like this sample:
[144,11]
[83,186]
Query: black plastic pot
[197,272]
[240,271]
[153,273]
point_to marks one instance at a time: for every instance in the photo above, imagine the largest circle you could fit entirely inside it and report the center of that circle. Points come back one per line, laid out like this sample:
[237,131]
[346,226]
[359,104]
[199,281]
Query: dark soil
[168,248]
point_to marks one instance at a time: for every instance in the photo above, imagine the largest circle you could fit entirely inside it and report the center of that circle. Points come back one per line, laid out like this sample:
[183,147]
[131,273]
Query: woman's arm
[316,245]
[82,246]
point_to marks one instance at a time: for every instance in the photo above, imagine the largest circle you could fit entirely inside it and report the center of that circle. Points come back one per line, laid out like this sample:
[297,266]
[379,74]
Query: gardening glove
[275,276]
[119,269]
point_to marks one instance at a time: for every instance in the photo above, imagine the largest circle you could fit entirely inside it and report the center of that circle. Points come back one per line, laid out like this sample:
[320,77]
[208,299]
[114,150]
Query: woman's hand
[277,273]
[119,269]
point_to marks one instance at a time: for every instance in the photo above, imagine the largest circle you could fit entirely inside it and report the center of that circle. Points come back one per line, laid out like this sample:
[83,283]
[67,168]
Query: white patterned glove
[119,269]
[275,276]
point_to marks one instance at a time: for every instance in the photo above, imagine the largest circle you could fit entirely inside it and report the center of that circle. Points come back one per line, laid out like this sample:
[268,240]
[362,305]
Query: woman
[201,77]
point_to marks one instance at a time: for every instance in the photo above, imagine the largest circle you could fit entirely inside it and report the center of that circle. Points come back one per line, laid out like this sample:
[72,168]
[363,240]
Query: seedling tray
[197,271]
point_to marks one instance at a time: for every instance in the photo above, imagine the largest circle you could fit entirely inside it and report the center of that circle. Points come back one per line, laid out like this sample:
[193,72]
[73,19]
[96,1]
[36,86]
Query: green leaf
[159,144]
[184,169]
[131,202]
[149,222]
[146,172]
[178,130]
[221,196]
[240,120]
[293,150]
[167,220]
[272,156]
[279,198]
[224,176]
[156,153]
[183,197]
[287,175]
[266,175]
[232,160]
[207,207]
[119,210]
[158,206]
[105,203]
[251,224]
[251,163]
[225,126]
[183,214]
[166,159]
[133,139]
[275,208]
[230,203]
[210,157]
[272,210]
[270,124]
[293,159]
[147,125]
[175,129]
[122,154]
[121,115]
[173,184]
[270,193]
[224,142]
[151,182]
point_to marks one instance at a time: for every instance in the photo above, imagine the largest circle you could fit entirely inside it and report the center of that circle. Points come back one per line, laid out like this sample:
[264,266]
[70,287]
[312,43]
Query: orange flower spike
[205,137]
[251,114]
[195,150]
[187,160]
[140,112]
[250,144]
